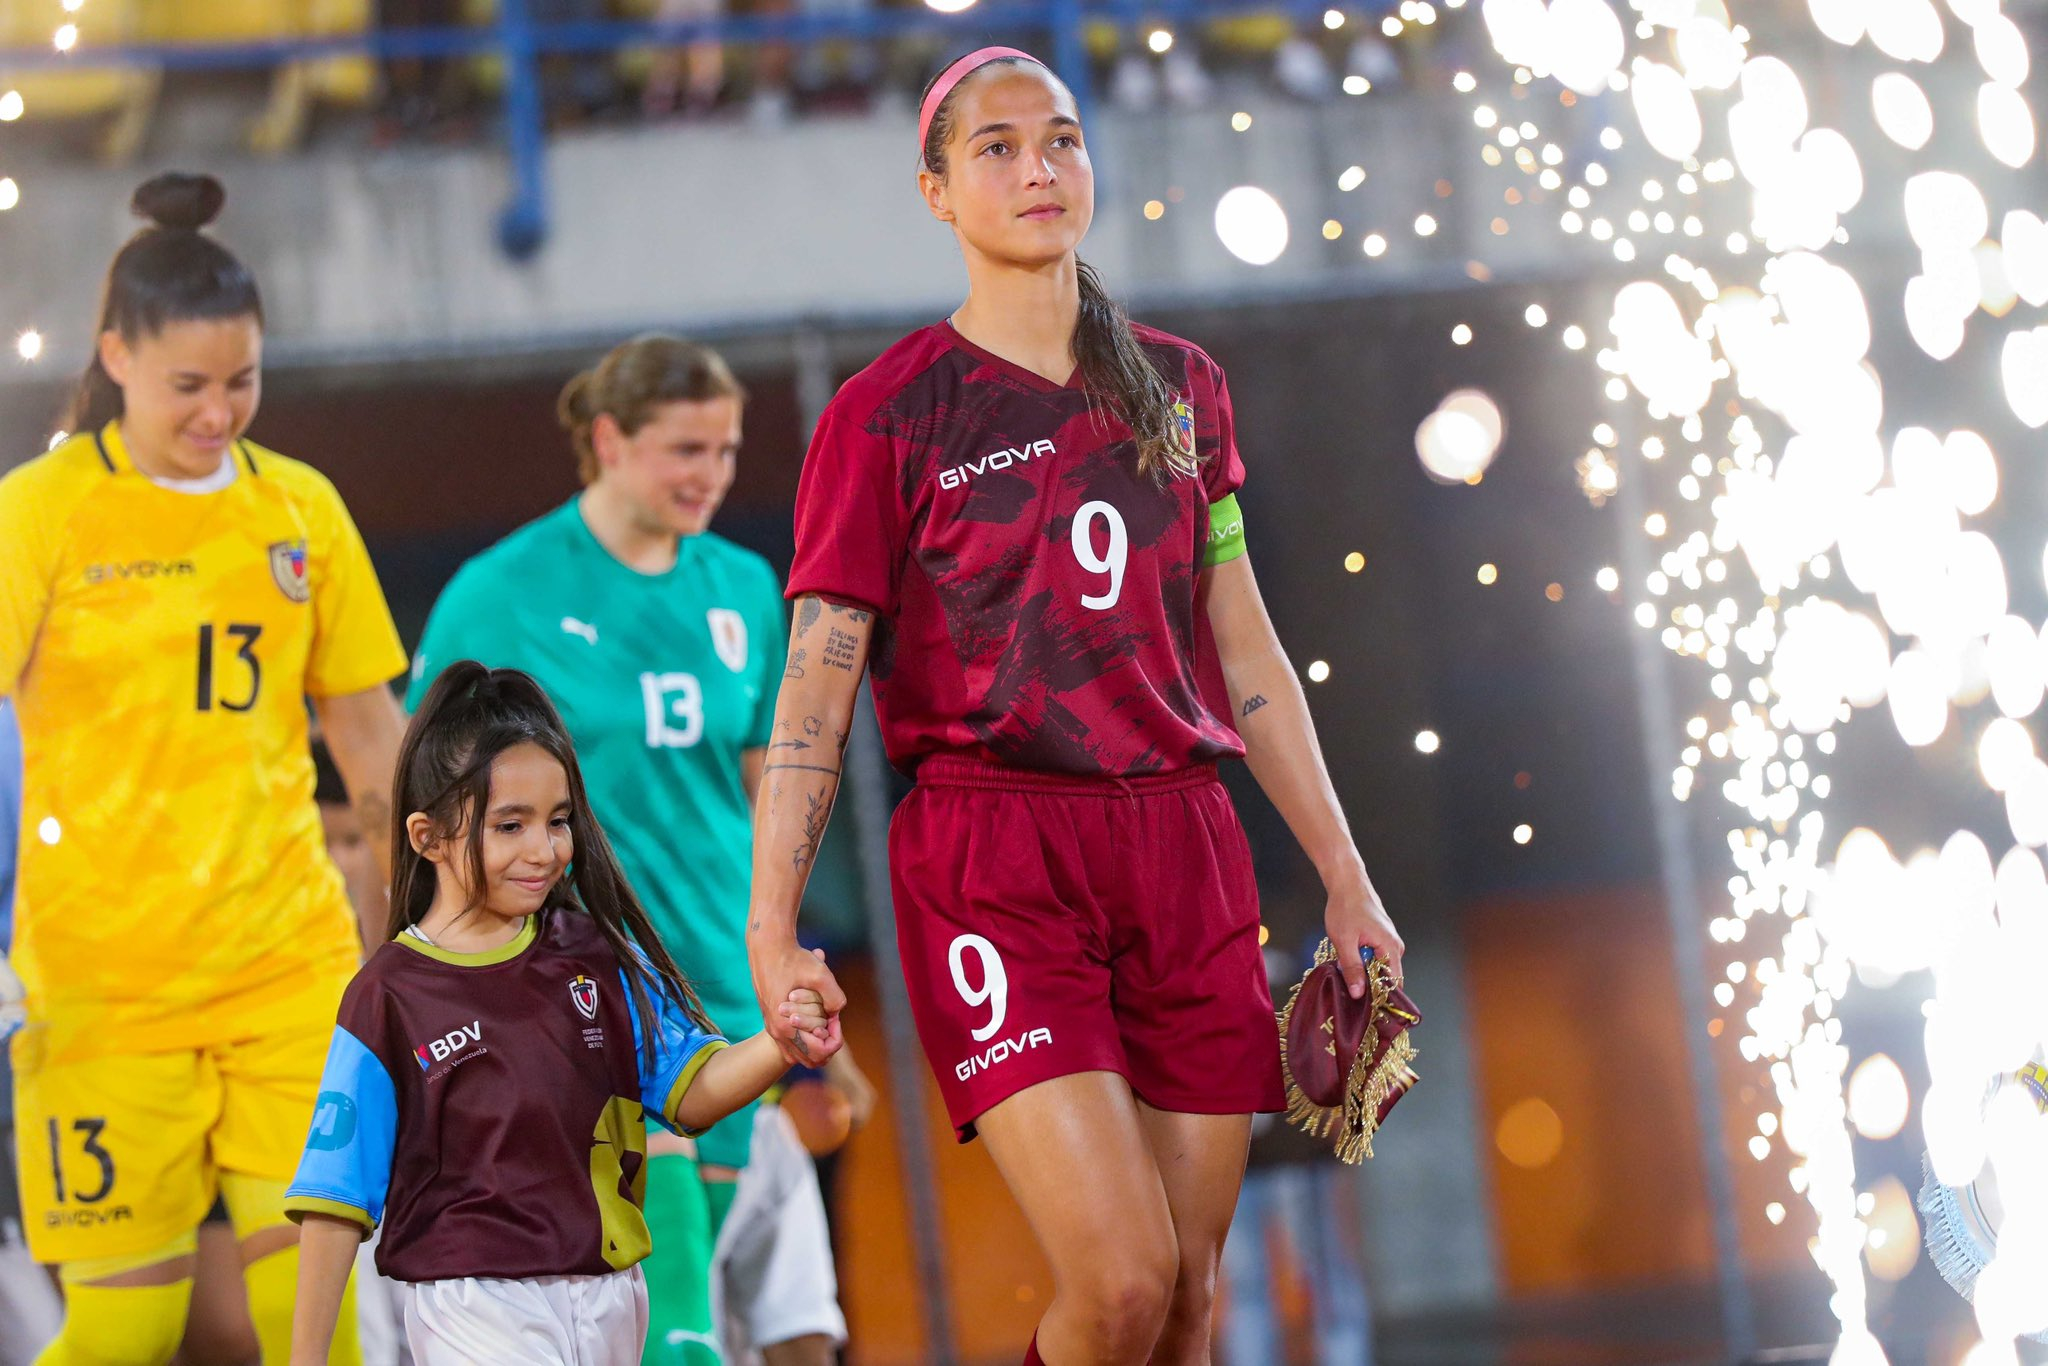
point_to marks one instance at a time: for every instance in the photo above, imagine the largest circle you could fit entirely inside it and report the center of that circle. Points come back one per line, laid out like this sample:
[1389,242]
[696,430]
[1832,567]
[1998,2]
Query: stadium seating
[295,87]
[122,95]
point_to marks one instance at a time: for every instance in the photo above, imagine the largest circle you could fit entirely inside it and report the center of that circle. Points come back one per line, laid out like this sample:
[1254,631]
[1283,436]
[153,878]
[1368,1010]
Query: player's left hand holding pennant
[1355,920]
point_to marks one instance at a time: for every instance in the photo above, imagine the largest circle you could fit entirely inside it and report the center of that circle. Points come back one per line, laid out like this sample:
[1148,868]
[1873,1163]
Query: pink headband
[952,76]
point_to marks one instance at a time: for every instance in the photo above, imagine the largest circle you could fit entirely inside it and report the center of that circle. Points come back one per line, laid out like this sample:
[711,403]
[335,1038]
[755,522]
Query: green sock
[678,1271]
[719,1195]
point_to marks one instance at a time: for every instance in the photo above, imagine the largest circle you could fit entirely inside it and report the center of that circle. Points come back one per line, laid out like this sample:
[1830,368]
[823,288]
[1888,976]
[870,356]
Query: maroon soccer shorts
[1052,924]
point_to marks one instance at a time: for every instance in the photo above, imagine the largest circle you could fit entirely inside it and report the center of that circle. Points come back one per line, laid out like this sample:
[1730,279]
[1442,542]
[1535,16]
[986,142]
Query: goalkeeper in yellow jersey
[171,595]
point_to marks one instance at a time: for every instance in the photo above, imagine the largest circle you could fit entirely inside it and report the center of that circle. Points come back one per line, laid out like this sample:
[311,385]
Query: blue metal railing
[522,42]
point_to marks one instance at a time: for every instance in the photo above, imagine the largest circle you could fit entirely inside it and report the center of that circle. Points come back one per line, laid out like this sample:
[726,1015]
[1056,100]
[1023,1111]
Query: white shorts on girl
[380,1311]
[547,1321]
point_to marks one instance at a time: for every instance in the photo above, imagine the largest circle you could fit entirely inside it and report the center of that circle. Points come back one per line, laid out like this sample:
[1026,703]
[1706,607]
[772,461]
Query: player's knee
[1124,1303]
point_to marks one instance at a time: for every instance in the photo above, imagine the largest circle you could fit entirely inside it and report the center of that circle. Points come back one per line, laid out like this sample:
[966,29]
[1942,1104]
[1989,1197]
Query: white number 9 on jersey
[995,983]
[1111,564]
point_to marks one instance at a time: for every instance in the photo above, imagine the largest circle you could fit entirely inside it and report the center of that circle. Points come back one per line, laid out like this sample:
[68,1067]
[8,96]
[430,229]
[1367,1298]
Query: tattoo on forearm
[812,725]
[1253,703]
[796,664]
[817,810]
[841,649]
[800,768]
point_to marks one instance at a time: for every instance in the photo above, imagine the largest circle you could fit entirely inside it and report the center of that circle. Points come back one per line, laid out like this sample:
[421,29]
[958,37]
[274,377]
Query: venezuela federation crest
[288,568]
[1184,428]
[583,992]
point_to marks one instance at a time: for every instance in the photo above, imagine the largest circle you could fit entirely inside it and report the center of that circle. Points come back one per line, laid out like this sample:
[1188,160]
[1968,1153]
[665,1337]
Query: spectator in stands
[686,80]
[578,85]
[419,92]
[1139,80]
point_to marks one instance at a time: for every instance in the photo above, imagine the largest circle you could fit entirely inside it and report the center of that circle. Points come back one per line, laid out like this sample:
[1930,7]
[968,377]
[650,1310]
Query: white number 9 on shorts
[995,983]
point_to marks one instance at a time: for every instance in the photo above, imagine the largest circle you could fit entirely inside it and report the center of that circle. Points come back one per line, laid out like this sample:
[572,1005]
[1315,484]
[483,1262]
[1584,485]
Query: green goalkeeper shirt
[665,680]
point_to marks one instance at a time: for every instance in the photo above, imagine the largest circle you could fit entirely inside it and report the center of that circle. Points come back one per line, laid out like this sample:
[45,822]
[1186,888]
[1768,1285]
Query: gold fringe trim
[1353,1123]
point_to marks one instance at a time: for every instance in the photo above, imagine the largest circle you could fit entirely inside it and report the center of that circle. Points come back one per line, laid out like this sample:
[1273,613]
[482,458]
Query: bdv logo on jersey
[728,637]
[583,992]
[449,1044]
[288,568]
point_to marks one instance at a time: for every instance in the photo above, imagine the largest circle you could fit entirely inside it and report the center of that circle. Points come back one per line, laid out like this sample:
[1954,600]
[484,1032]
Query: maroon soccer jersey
[1036,595]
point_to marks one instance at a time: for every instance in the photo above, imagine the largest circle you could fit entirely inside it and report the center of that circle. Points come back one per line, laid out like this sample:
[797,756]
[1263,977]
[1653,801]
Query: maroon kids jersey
[487,1108]
[1035,593]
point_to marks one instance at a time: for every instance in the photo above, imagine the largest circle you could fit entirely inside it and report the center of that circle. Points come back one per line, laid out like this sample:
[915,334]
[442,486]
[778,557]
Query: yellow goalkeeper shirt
[160,645]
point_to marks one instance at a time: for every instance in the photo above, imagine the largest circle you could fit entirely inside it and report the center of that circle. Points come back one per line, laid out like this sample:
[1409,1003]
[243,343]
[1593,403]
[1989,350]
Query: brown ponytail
[1117,374]
[632,381]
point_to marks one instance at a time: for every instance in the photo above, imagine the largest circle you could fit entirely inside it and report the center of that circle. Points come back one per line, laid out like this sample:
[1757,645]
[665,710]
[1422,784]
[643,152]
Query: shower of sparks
[1816,558]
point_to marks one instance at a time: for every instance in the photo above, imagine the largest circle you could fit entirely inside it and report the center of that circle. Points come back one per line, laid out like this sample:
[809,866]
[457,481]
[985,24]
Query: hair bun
[177,200]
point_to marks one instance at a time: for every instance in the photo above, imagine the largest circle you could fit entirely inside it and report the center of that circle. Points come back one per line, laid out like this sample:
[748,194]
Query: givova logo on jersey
[959,474]
[993,991]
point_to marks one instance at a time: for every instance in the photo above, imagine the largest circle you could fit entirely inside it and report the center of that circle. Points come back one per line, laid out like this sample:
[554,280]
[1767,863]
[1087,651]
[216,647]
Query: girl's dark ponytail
[168,272]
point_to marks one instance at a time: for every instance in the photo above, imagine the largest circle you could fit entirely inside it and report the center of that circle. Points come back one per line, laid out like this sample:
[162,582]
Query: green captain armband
[1226,532]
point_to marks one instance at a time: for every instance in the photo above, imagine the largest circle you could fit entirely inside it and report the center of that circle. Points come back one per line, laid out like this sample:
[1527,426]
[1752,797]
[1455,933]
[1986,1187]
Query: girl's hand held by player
[782,969]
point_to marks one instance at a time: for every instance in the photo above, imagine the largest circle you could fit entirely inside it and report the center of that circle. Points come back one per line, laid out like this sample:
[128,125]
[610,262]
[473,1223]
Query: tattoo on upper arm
[1253,703]
[796,663]
[807,614]
[841,649]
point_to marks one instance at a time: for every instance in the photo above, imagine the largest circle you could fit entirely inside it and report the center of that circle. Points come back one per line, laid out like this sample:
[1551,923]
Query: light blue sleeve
[346,1168]
[680,1048]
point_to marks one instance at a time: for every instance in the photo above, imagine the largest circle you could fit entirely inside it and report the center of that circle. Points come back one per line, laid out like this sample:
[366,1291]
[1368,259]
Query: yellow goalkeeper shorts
[119,1155]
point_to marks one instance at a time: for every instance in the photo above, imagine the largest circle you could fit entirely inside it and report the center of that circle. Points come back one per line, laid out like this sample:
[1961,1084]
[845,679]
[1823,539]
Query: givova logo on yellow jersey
[88,1217]
[140,570]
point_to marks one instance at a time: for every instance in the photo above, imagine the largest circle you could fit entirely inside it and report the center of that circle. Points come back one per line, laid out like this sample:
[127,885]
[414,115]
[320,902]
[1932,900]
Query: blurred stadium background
[451,211]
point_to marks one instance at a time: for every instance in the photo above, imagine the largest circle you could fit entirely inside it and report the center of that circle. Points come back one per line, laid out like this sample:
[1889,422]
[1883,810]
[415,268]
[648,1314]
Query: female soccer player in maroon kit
[1023,521]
